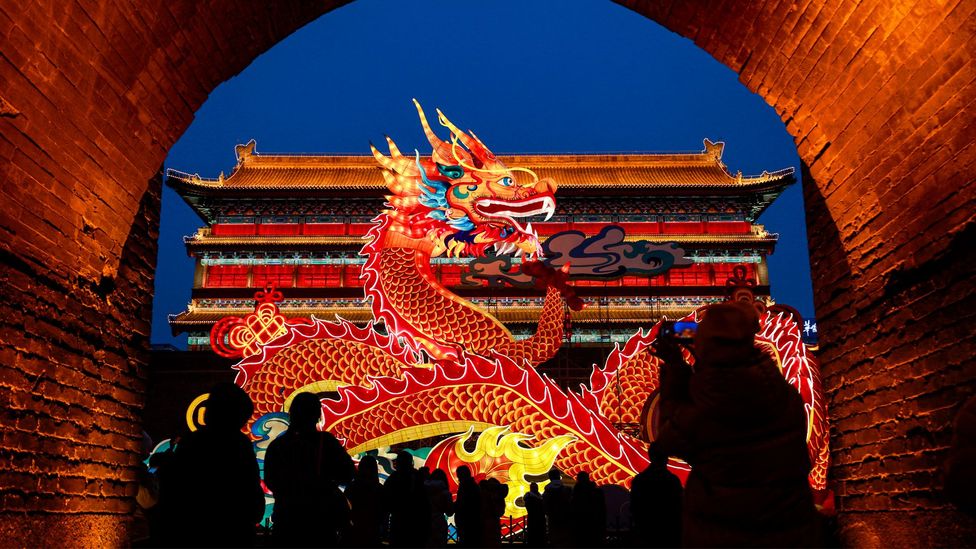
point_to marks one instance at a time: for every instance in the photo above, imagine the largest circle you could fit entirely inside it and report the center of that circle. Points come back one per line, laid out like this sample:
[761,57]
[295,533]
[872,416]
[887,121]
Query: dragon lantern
[445,366]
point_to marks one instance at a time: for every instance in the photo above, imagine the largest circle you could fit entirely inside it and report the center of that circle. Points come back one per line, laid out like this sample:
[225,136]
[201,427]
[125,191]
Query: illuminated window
[658,280]
[350,277]
[233,229]
[359,229]
[682,227]
[694,275]
[226,276]
[279,275]
[324,229]
[723,271]
[728,227]
[643,227]
[632,281]
[278,229]
[318,276]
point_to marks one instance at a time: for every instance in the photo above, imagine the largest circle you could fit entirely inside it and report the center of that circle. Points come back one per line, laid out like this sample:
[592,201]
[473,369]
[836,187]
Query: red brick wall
[875,93]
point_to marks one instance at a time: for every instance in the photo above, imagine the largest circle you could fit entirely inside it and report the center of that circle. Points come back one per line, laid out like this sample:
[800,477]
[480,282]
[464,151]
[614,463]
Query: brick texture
[878,96]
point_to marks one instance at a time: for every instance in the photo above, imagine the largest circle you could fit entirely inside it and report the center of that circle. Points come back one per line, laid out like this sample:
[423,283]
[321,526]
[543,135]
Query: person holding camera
[742,428]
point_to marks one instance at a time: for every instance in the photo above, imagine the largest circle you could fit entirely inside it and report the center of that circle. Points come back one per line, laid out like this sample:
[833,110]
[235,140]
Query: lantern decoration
[446,368]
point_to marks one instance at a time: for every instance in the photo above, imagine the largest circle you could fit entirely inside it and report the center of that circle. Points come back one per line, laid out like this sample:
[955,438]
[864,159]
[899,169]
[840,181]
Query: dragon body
[408,298]
[445,366]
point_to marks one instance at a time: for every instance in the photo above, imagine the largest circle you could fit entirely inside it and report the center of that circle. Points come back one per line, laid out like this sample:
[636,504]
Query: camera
[678,330]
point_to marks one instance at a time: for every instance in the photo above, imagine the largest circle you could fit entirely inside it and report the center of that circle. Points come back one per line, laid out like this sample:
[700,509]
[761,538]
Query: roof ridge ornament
[714,149]
[243,152]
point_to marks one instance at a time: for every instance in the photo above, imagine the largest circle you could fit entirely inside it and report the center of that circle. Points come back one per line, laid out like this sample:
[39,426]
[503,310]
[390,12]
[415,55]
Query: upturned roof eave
[193,188]
[731,187]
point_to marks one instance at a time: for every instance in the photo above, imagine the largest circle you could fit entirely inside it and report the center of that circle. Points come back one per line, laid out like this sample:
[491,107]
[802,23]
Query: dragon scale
[445,365]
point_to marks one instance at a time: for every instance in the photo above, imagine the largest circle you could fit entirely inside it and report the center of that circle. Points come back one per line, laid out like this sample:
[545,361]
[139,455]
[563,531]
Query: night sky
[594,77]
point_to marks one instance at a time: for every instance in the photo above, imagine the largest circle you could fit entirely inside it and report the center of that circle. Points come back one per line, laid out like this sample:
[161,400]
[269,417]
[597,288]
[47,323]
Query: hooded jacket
[742,428]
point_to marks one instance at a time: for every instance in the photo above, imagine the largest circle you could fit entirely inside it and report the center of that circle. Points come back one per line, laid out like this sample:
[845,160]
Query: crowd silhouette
[732,417]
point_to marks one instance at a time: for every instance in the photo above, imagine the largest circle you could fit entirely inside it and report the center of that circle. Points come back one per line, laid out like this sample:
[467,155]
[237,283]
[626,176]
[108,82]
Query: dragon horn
[383,161]
[480,152]
[442,150]
[394,151]
[490,154]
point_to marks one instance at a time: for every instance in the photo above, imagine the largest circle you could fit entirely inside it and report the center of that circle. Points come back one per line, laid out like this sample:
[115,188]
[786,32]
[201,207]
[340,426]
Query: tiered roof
[643,174]
[299,180]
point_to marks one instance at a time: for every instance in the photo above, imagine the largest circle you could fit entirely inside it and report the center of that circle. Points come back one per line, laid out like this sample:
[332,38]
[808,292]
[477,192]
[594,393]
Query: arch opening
[875,96]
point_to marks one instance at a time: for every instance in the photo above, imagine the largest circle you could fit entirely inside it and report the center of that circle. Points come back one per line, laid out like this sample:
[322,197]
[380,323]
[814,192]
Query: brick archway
[876,96]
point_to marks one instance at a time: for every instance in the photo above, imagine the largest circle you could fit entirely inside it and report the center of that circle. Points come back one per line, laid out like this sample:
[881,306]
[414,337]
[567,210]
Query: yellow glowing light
[527,462]
[196,409]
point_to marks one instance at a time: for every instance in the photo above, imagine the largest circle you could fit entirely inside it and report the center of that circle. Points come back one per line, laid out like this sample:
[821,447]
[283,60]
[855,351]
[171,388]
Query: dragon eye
[506,182]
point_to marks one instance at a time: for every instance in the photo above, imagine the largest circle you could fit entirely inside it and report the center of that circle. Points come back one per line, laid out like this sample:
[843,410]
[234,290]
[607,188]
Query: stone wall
[877,95]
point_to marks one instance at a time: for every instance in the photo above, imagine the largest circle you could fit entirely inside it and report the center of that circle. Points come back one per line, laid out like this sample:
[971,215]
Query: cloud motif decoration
[607,255]
[603,256]
[498,270]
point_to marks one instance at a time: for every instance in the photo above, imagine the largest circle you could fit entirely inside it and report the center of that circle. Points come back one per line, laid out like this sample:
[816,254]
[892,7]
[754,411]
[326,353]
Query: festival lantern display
[445,368]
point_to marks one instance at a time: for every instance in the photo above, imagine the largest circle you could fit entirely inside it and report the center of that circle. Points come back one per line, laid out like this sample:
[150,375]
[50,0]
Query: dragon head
[462,198]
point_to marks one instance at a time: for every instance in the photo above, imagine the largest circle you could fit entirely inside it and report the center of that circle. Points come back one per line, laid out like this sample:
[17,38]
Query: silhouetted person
[960,478]
[557,498]
[493,495]
[742,428]
[217,498]
[166,523]
[467,509]
[368,515]
[409,511]
[146,517]
[441,506]
[535,521]
[422,508]
[655,504]
[303,468]
[589,512]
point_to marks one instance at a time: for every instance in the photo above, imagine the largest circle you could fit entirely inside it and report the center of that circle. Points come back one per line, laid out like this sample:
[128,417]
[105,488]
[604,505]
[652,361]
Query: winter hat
[735,322]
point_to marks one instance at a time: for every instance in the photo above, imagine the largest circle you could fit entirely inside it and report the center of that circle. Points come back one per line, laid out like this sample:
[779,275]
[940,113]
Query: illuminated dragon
[445,366]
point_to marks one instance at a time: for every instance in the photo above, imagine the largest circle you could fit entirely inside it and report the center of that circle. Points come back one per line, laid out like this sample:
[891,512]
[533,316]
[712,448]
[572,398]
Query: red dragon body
[461,201]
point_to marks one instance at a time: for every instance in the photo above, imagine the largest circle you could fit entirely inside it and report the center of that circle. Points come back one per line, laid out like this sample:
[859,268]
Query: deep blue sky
[591,77]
